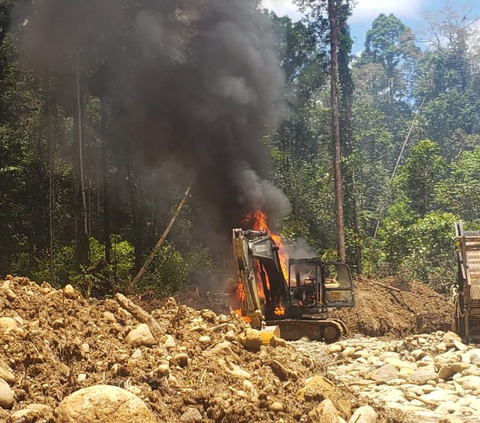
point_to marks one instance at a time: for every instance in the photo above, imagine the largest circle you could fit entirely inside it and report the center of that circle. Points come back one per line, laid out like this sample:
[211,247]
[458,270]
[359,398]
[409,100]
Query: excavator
[466,292]
[297,301]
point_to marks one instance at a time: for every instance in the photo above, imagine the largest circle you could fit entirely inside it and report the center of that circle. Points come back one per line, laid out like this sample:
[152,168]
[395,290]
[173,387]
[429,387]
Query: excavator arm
[251,305]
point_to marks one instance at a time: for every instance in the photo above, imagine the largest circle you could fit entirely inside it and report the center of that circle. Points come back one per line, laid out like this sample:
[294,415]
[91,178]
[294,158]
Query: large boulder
[104,404]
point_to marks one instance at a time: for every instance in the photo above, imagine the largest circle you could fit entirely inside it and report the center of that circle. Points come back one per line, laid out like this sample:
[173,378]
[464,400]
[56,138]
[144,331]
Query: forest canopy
[109,110]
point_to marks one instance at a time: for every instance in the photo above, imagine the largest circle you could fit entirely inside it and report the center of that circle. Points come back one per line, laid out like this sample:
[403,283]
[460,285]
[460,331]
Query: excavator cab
[317,286]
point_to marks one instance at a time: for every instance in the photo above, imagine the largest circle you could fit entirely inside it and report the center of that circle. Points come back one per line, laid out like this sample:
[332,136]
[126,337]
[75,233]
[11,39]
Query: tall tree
[337,157]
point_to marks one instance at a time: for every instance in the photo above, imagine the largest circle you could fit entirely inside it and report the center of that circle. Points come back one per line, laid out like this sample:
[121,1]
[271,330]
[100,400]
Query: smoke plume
[197,81]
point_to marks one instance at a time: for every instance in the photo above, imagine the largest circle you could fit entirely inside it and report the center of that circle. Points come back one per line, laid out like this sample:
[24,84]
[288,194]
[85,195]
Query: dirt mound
[182,363]
[392,308]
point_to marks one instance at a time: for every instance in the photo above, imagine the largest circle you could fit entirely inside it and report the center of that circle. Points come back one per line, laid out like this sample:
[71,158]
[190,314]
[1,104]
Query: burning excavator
[294,295]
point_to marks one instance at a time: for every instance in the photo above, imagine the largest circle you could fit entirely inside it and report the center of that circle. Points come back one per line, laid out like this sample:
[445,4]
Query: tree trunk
[337,171]
[83,244]
[104,181]
[137,226]
[356,225]
[51,198]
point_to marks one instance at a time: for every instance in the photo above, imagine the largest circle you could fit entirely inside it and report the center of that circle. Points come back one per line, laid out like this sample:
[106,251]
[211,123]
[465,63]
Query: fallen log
[141,315]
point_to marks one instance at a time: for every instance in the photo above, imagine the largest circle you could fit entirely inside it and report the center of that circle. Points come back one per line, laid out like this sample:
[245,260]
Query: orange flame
[259,220]
[240,293]
[280,309]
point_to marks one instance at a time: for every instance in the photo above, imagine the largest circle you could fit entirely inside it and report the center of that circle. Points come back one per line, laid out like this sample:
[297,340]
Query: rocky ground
[428,377]
[67,359]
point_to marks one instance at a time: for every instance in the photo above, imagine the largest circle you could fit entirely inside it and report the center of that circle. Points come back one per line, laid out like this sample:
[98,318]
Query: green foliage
[420,175]
[171,270]
[389,42]
[425,249]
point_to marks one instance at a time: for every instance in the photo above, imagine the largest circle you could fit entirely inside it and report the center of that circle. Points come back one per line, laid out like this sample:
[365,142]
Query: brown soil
[65,344]
[405,309]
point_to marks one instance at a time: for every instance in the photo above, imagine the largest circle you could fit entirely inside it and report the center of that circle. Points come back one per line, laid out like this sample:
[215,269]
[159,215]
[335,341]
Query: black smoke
[197,81]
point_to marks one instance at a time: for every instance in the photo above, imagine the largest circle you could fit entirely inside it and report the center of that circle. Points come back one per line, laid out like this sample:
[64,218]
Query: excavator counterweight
[299,302]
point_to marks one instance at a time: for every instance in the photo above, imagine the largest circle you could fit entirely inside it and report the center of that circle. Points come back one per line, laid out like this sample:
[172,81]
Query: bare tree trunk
[104,176]
[356,225]
[83,244]
[51,198]
[137,225]
[337,170]
[161,240]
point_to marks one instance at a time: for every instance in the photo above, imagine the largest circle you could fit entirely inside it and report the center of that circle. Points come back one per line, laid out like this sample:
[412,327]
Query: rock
[6,373]
[180,359]
[104,404]
[349,351]
[451,336]
[335,348]
[384,374]
[418,354]
[42,408]
[317,388]
[472,382]
[276,406]
[277,342]
[109,317]
[23,416]
[169,342]
[208,315]
[400,364]
[460,345]
[137,354]
[192,415]
[6,395]
[231,336]
[162,371]
[11,295]
[447,370]
[7,324]
[251,339]
[205,340]
[234,370]
[442,347]
[70,292]
[325,412]
[472,356]
[475,404]
[279,370]
[364,414]
[422,376]
[139,336]
[439,395]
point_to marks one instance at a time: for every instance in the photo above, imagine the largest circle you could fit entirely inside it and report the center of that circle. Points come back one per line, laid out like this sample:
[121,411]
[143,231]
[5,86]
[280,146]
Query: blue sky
[409,11]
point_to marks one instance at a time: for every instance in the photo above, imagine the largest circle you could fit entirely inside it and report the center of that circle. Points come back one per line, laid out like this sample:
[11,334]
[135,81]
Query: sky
[411,12]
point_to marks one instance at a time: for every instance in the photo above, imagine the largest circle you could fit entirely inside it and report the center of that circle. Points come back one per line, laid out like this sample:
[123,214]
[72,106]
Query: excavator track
[323,330]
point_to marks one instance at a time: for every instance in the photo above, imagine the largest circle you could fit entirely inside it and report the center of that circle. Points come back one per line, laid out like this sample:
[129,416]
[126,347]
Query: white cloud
[367,10]
[282,8]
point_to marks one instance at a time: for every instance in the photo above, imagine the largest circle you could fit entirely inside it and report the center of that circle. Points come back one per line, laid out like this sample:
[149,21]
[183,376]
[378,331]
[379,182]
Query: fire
[259,220]
[280,309]
[242,297]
